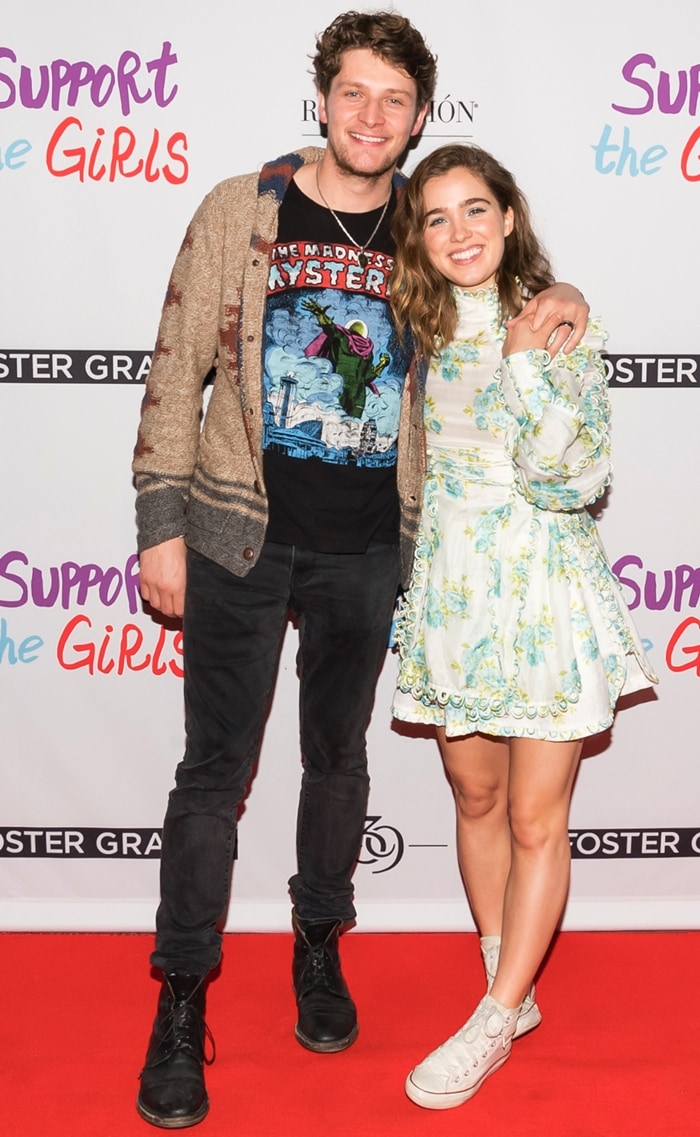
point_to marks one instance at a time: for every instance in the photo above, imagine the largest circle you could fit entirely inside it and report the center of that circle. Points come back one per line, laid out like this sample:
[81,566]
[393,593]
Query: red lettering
[118,650]
[693,649]
[93,174]
[691,151]
[119,156]
[151,174]
[86,658]
[176,179]
[158,667]
[105,665]
[127,650]
[63,157]
[177,648]
[78,167]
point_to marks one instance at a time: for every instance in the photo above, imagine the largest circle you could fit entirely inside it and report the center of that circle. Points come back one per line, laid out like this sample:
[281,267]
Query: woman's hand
[562,309]
[525,333]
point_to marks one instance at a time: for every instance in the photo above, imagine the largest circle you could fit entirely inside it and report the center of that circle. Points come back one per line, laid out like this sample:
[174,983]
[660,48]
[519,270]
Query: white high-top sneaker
[456,1070]
[530,1015]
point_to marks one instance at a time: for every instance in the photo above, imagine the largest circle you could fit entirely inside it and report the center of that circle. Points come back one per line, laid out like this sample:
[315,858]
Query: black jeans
[233,630]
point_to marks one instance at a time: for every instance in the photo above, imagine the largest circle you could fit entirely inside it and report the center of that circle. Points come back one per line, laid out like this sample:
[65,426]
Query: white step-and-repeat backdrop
[114,123]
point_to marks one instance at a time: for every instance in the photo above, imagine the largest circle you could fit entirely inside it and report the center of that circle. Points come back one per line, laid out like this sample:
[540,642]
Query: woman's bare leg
[477,767]
[541,779]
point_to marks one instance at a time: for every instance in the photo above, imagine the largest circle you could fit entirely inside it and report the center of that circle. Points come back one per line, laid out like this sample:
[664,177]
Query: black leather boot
[327,1015]
[172,1093]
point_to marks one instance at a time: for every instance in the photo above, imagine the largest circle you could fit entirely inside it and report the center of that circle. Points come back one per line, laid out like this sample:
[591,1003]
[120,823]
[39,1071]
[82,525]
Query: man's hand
[561,307]
[524,335]
[162,573]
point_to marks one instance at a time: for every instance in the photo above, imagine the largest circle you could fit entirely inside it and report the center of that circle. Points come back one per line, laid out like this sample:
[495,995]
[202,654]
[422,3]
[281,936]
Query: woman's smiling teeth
[466,255]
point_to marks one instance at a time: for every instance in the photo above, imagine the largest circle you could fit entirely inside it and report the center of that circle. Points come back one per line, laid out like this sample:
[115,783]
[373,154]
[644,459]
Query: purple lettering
[82,74]
[618,568]
[671,96]
[41,597]
[60,78]
[5,562]
[104,76]
[67,585]
[7,53]
[652,600]
[159,68]
[132,583]
[61,82]
[628,75]
[127,82]
[27,97]
[680,587]
[666,104]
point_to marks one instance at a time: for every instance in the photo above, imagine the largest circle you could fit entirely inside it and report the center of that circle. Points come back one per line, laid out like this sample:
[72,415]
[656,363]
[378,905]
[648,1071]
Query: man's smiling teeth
[467,255]
[369,138]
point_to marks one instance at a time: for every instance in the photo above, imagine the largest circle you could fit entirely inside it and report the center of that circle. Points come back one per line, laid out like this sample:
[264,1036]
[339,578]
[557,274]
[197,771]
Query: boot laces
[320,968]
[184,1028]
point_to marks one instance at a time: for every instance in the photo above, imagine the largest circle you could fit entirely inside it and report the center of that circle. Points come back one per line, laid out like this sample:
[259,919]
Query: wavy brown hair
[421,297]
[390,36]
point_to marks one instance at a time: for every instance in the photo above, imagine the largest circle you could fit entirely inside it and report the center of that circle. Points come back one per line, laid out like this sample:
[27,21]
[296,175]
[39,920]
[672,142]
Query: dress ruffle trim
[456,710]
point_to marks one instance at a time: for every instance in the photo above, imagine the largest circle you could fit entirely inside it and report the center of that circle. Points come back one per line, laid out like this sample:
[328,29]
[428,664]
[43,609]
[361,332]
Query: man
[291,497]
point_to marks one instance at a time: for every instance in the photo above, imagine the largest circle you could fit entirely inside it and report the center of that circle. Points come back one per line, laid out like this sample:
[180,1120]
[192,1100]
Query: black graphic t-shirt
[333,378]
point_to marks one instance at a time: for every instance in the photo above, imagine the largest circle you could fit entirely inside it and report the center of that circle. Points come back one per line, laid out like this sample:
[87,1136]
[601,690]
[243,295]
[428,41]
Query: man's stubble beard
[346,167]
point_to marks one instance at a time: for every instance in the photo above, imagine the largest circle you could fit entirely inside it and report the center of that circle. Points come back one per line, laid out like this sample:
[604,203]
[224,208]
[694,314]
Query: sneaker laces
[490,956]
[473,1042]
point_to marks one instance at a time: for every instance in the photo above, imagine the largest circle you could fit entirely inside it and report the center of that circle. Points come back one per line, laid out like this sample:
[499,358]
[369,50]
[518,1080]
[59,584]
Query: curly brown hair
[390,36]
[421,297]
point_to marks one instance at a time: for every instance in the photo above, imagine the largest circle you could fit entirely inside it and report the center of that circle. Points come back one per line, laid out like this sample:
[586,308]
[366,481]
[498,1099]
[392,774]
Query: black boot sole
[332,1047]
[172,1122]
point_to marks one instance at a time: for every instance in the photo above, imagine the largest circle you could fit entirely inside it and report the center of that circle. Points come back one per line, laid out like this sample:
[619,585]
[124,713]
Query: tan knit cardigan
[203,479]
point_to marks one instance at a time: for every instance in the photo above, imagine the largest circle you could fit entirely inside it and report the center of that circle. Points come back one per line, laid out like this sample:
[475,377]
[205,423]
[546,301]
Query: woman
[514,639]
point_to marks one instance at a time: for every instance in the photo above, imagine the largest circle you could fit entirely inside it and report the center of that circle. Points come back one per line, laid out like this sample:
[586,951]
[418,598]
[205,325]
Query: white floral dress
[514,623]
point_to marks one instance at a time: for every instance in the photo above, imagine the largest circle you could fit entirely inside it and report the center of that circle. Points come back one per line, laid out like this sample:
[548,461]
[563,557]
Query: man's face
[371,113]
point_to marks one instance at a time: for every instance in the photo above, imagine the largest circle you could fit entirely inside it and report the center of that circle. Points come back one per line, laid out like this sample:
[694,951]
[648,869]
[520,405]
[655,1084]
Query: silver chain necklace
[362,257]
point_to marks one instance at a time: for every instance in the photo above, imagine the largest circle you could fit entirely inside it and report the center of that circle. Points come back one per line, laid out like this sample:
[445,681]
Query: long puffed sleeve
[560,440]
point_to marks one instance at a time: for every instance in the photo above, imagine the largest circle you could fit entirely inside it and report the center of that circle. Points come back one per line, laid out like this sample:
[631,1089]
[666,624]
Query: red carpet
[617,1055]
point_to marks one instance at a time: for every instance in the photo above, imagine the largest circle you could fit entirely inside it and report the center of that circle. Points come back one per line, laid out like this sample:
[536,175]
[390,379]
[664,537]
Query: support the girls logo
[673,589]
[87,644]
[82,145]
[649,88]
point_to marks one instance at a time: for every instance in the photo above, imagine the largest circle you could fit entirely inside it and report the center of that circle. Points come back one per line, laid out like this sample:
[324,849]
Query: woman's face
[464,229]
